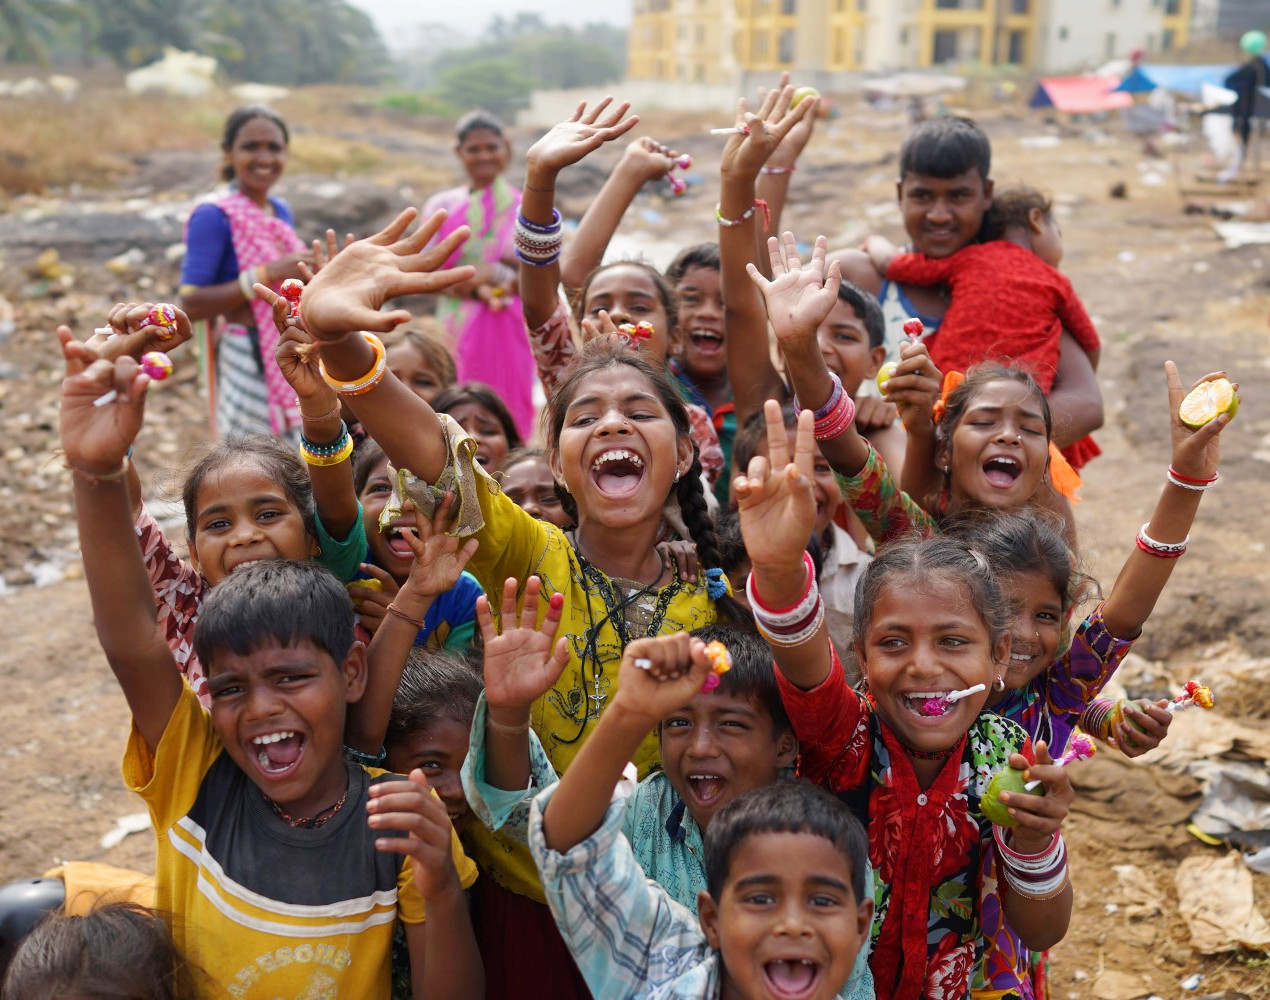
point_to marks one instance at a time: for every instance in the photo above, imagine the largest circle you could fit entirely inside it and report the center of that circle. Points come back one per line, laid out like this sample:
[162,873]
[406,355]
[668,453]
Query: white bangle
[1197,487]
[1151,543]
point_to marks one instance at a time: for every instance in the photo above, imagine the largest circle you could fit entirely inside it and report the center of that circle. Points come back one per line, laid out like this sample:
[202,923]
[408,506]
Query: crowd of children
[693,690]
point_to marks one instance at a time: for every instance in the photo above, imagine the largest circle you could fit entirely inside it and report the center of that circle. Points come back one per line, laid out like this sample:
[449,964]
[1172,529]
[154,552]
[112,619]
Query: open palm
[584,132]
[799,297]
[524,661]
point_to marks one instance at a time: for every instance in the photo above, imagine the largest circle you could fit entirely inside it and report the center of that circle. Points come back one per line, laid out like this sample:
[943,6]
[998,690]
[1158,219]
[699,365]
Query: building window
[1018,44]
[758,47]
[1172,8]
[1018,6]
[1168,40]
[903,36]
[1111,45]
[701,34]
[785,47]
[1151,43]
[789,6]
[945,47]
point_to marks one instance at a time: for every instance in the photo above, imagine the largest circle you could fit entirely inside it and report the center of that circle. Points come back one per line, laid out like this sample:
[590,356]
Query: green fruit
[1005,780]
[885,373]
[801,93]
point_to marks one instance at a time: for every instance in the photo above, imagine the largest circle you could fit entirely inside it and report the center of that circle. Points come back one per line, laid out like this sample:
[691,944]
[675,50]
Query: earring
[998,684]
[677,474]
[945,470]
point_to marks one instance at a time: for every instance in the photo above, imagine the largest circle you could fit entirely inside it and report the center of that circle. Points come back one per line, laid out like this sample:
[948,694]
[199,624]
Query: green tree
[29,27]
[494,84]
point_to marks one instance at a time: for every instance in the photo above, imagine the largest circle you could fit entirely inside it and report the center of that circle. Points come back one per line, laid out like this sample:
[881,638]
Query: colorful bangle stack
[324,455]
[1164,550]
[538,245]
[1187,483]
[794,625]
[368,381]
[836,415]
[1036,876]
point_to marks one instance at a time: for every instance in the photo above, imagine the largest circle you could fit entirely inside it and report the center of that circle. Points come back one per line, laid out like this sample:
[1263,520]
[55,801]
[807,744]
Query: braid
[567,503]
[696,514]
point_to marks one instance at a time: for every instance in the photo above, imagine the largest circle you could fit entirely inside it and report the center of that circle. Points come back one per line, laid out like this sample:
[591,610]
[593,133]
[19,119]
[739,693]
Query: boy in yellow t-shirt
[277,881]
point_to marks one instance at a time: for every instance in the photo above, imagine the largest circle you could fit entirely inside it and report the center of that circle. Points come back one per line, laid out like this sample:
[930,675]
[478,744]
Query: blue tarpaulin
[1185,80]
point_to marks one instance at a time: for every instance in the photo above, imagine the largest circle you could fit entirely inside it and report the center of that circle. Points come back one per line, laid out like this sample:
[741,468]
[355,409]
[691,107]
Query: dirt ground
[1159,285]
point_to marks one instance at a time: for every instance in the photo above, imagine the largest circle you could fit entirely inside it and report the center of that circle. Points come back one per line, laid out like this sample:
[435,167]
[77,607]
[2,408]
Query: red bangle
[1157,552]
[811,582]
[1187,479]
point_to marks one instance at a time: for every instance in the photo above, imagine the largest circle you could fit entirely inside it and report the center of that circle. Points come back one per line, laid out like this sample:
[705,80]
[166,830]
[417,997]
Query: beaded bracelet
[732,223]
[1187,483]
[356,387]
[1165,550]
[326,455]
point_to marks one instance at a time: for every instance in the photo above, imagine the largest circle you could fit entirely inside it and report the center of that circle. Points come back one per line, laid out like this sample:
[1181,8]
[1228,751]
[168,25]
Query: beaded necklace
[320,818]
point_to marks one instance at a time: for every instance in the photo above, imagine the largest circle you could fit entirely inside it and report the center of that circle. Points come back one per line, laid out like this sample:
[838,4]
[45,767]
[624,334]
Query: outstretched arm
[94,441]
[565,144]
[656,677]
[777,173]
[750,371]
[1195,457]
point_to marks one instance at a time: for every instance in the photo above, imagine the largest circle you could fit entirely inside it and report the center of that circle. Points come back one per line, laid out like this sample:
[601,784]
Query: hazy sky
[391,16]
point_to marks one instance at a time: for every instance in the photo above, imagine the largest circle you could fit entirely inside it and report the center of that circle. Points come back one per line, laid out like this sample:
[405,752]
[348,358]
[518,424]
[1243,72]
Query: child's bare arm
[438,562]
[1075,399]
[645,160]
[94,441]
[881,252]
[346,296]
[565,144]
[1194,461]
[444,959]
[521,665]
[656,677]
[298,355]
[778,171]
[1039,923]
[750,371]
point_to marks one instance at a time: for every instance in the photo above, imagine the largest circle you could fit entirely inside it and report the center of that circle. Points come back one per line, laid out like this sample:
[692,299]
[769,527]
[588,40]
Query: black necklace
[319,818]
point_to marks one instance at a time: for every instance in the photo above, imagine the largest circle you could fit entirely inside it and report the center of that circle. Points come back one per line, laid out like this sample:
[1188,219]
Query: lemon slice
[1207,401]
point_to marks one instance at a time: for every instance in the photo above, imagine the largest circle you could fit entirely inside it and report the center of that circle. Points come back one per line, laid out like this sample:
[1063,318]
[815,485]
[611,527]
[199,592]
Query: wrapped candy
[683,161]
[720,664]
[677,185]
[156,364]
[938,706]
[637,333]
[163,316]
[913,328]
[1194,695]
[291,289]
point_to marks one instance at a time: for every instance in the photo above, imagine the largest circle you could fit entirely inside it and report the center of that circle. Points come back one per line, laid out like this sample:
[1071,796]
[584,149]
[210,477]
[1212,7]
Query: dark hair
[240,117]
[525,453]
[368,455]
[116,951]
[727,531]
[918,558]
[791,806]
[753,673]
[665,291]
[1013,206]
[430,343]
[945,147]
[751,436]
[977,376]
[700,255]
[482,395]
[1028,541]
[867,309]
[478,119]
[433,685]
[275,602]
[276,460]
[609,352]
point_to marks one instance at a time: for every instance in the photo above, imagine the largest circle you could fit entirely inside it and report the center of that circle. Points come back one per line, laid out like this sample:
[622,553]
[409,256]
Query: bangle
[1187,483]
[794,625]
[538,245]
[392,609]
[332,412]
[247,278]
[326,455]
[1036,876]
[95,478]
[777,171]
[732,223]
[538,227]
[502,727]
[837,420]
[366,759]
[368,381]
[530,187]
[1165,550]
[799,609]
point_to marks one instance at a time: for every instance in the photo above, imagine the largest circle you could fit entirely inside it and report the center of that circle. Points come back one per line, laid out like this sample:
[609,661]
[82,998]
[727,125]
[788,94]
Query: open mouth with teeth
[791,978]
[278,754]
[927,704]
[1002,471]
[617,473]
[707,789]
[706,341]
[395,539]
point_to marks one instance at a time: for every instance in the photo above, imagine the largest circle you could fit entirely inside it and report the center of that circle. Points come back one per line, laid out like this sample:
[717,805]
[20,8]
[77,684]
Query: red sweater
[1007,305]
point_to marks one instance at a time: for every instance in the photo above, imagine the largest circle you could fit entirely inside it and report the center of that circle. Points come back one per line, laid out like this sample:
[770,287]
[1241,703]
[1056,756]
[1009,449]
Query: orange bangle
[357,386]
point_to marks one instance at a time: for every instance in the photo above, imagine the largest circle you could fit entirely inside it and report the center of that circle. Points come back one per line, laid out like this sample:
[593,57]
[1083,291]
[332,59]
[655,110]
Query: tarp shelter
[1079,94]
[1185,80]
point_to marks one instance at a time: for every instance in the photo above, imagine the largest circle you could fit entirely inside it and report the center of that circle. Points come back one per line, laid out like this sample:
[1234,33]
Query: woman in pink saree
[483,315]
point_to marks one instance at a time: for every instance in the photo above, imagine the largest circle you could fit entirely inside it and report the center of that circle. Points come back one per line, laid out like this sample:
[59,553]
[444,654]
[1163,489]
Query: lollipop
[677,185]
[1010,780]
[913,328]
[1194,695]
[156,364]
[939,705]
[720,663]
[683,161]
[291,290]
[163,316]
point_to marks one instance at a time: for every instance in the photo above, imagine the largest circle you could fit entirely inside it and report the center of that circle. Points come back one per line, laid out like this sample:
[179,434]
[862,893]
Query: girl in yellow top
[617,441]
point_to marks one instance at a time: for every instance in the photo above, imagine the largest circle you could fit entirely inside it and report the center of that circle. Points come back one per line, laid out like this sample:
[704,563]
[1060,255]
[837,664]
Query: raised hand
[525,660]
[798,297]
[584,132]
[439,558]
[1039,816]
[649,159]
[659,675]
[914,387]
[408,806]
[1195,451]
[297,353]
[132,333]
[95,439]
[775,500]
[745,154]
[791,147]
[347,293]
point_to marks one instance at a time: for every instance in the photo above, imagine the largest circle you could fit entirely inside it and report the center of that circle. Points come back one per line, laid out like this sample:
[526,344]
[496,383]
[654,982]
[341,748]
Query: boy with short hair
[276,881]
[785,912]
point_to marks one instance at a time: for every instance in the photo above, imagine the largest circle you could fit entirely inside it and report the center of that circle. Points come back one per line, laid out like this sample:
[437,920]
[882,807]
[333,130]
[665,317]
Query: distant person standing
[235,238]
[483,316]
